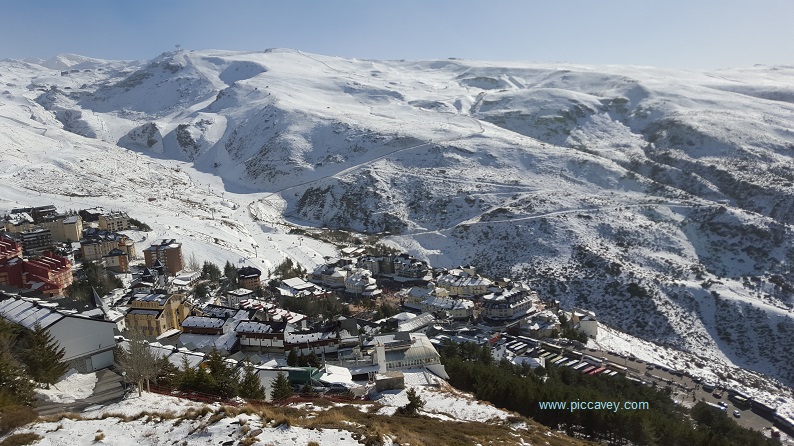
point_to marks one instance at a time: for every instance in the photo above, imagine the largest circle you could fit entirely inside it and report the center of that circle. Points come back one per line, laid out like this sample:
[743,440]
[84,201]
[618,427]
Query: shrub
[99,436]
[12,417]
[21,439]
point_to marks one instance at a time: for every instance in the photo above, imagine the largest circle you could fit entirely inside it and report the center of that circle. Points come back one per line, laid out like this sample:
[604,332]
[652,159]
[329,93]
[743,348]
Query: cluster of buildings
[48,274]
[159,303]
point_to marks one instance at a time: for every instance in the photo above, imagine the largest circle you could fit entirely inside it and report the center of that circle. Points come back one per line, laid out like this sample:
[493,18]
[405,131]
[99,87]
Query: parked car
[737,413]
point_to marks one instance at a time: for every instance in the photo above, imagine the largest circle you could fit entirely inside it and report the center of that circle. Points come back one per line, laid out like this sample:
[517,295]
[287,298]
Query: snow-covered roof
[203,322]
[28,314]
[260,327]
[223,342]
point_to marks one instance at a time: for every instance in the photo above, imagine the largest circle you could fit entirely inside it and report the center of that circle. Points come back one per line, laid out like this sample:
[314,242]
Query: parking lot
[687,391]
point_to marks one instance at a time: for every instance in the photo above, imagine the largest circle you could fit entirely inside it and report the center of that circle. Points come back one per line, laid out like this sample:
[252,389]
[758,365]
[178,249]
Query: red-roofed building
[9,249]
[49,274]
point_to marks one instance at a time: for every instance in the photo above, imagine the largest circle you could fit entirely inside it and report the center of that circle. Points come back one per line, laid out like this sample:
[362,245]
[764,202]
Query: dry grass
[21,439]
[99,436]
[12,417]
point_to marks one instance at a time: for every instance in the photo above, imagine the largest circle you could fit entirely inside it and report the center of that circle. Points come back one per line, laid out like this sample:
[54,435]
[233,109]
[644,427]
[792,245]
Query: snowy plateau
[661,199]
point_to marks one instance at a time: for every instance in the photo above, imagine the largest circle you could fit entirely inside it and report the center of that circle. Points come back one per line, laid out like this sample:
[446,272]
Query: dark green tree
[43,357]
[187,375]
[292,358]
[230,271]
[15,387]
[211,272]
[312,360]
[281,388]
[250,386]
[95,278]
[414,403]
[202,291]
[223,374]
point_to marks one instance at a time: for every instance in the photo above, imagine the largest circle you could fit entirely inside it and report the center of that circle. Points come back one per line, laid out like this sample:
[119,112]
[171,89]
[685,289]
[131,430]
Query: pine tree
[414,403]
[281,389]
[250,386]
[187,375]
[224,375]
[230,271]
[43,357]
[15,386]
[292,358]
[312,360]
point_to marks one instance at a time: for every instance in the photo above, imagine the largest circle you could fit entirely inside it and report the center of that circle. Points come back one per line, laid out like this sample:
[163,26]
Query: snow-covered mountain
[660,199]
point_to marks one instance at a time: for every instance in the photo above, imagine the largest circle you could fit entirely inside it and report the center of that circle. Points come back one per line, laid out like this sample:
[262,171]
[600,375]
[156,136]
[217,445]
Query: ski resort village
[361,317]
[359,326]
[280,247]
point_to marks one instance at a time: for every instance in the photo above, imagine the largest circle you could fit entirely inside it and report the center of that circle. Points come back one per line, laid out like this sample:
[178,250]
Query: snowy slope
[152,419]
[661,199]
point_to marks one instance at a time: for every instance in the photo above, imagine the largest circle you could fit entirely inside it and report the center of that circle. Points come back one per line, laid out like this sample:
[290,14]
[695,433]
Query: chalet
[18,222]
[234,297]
[330,276]
[437,300]
[319,342]
[88,343]
[585,321]
[205,332]
[38,213]
[186,279]
[265,311]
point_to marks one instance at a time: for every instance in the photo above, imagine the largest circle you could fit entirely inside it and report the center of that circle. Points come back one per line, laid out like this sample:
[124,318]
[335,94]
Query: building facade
[154,314]
[168,252]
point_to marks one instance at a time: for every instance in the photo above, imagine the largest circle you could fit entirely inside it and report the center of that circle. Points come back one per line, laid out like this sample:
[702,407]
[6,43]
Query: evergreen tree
[292,358]
[312,360]
[187,375]
[223,375]
[280,389]
[211,272]
[414,403]
[302,361]
[43,357]
[250,386]
[15,387]
[230,271]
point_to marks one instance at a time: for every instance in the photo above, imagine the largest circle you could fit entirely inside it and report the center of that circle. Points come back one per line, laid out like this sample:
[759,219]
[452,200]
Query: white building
[509,304]
[405,350]
[360,282]
[88,342]
[460,283]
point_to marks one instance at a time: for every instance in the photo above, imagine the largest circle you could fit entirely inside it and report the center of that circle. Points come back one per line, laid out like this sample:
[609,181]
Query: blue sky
[698,34]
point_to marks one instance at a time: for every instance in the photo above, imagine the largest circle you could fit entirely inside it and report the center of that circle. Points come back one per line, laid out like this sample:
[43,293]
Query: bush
[21,439]
[12,417]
